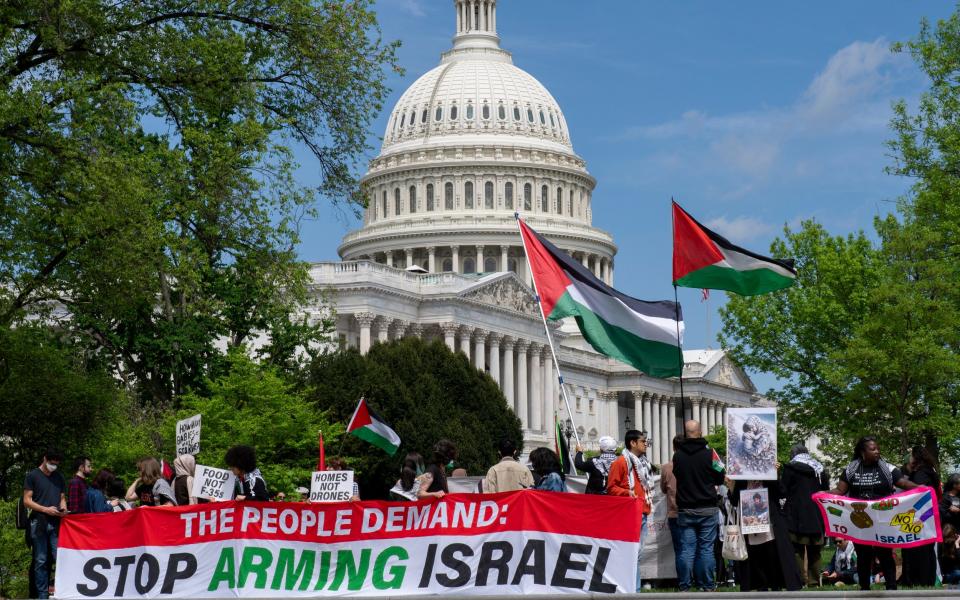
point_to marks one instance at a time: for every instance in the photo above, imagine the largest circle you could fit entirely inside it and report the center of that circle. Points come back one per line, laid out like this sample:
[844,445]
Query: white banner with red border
[526,542]
[904,520]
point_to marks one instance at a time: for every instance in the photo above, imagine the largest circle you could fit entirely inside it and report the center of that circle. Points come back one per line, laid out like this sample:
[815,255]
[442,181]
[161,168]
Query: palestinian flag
[704,259]
[640,333]
[715,462]
[366,425]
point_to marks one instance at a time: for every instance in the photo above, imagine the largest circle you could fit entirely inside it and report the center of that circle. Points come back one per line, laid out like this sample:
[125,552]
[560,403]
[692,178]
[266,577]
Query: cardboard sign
[213,484]
[754,511]
[188,436]
[752,443]
[331,486]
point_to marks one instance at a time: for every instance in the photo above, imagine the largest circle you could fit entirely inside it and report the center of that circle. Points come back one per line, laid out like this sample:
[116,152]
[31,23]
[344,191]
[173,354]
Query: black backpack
[22,518]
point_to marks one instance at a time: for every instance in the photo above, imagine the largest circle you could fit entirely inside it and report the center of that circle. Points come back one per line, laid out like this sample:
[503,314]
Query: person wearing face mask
[44,494]
[444,455]
[508,475]
[414,481]
[77,486]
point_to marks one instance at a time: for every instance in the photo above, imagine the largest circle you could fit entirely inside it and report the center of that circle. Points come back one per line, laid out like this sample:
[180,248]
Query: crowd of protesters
[699,499]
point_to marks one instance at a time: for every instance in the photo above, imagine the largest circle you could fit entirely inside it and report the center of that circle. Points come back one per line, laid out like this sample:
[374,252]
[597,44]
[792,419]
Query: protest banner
[213,484]
[903,520]
[752,443]
[331,486]
[525,542]
[657,558]
[754,511]
[188,436]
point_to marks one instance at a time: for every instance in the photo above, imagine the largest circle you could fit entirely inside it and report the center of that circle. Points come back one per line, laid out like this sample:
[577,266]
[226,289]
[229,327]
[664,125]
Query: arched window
[489,265]
[383,204]
[403,119]
[447,265]
[396,201]
[542,120]
[512,265]
[570,204]
[448,196]
[559,201]
[488,195]
[468,194]
[516,113]
[544,199]
[552,124]
[502,112]
[413,117]
[413,199]
[508,195]
[438,116]
[469,265]
[529,114]
[485,111]
[469,112]
[429,196]
[527,197]
[453,112]
[423,115]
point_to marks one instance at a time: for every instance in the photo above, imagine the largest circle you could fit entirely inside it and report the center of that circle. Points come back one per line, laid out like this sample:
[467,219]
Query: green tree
[256,405]
[145,150]
[426,393]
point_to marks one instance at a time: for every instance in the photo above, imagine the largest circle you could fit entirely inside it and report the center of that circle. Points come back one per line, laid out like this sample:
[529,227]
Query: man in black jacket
[698,471]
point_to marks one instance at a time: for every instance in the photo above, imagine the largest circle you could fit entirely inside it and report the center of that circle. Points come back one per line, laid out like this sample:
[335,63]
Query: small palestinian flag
[366,425]
[643,334]
[716,463]
[704,259]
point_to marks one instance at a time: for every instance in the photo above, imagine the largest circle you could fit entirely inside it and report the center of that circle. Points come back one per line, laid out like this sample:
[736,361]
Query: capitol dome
[469,144]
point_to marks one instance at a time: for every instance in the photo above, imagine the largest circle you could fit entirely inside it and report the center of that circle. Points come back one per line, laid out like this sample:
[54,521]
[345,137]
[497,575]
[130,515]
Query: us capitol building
[439,253]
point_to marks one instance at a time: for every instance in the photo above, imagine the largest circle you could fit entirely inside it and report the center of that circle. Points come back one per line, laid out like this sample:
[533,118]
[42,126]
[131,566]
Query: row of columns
[476,15]
[600,266]
[659,415]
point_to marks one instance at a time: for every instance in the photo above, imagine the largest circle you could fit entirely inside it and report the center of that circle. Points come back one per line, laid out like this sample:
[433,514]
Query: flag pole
[546,328]
[683,408]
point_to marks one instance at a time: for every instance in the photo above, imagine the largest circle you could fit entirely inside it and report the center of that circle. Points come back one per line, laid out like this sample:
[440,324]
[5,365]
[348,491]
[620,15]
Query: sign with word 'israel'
[902,520]
[213,484]
[331,486]
[188,436]
[516,543]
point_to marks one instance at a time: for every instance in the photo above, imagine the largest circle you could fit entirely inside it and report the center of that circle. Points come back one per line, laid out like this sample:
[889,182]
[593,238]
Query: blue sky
[752,115]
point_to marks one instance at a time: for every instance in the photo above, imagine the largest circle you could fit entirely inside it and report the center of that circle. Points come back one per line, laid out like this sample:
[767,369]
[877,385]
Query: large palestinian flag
[366,425]
[640,333]
[704,259]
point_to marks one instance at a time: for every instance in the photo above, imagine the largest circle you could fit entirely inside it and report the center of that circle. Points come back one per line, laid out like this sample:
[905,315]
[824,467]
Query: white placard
[188,436]
[331,486]
[213,484]
[754,511]
[752,443]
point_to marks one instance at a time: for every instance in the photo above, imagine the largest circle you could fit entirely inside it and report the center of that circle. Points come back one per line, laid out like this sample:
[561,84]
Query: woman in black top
[869,477]
[920,563]
[802,477]
[444,453]
[242,460]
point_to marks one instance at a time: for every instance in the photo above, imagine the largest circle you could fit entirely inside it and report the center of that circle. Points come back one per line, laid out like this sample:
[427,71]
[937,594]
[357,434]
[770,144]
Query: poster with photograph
[754,511]
[752,443]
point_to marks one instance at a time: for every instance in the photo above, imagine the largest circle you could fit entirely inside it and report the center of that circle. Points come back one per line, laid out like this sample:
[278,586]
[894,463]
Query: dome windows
[502,112]
[559,201]
[570,204]
[396,201]
[488,195]
[543,121]
[429,197]
[469,112]
[413,117]
[527,197]
[516,113]
[448,196]
[403,120]
[413,199]
[423,115]
[545,199]
[552,123]
[453,112]
[485,111]
[468,195]
[383,204]
[529,115]
[508,195]
[438,116]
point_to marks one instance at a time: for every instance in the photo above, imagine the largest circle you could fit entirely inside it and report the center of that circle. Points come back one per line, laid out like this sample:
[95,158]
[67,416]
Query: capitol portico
[439,256]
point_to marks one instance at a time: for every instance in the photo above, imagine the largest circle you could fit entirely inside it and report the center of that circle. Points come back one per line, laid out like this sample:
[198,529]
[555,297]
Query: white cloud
[414,7]
[740,229]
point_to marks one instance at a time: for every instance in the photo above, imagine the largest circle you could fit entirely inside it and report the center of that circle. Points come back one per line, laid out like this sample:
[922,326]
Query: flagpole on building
[546,329]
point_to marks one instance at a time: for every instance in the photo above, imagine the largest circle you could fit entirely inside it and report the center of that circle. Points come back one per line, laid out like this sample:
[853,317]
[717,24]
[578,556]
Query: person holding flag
[369,427]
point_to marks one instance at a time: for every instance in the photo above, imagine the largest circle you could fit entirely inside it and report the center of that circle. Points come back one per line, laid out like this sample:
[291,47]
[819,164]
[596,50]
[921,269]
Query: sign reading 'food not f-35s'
[526,542]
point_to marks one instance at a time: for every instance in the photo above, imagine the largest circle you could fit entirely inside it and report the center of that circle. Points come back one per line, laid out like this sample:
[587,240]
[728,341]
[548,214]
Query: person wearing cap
[598,467]
[304,494]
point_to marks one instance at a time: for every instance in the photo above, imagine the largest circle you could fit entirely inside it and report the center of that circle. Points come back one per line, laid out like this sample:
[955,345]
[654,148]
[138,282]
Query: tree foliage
[148,178]
[426,393]
[256,405]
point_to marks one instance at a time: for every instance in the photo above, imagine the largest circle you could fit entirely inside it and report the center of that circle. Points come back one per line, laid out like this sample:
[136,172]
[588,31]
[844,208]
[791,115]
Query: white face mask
[51,467]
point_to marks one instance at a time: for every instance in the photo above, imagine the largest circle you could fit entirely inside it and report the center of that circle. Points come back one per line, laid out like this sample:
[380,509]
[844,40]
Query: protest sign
[213,484]
[752,443]
[525,542]
[331,486]
[902,520]
[188,436]
[754,511]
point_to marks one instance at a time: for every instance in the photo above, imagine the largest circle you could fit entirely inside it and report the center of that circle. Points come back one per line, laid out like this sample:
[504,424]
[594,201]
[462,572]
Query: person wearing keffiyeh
[630,475]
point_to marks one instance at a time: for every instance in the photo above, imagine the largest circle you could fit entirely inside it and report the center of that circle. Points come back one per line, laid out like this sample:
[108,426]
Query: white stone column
[695,403]
[383,330]
[664,430]
[495,356]
[706,413]
[465,333]
[647,412]
[612,424]
[638,413]
[450,335]
[671,425]
[504,258]
[364,320]
[549,389]
[521,392]
[596,266]
[536,387]
[479,258]
[432,259]
[479,349]
[507,385]
[409,252]
[455,250]
[718,414]
[389,254]
[585,260]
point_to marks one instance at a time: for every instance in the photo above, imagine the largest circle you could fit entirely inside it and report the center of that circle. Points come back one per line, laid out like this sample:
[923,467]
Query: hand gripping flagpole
[546,328]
